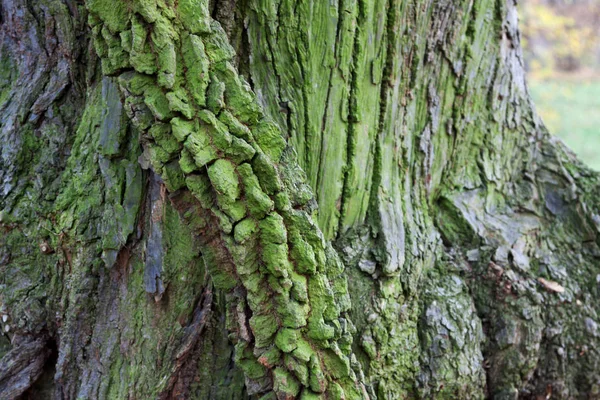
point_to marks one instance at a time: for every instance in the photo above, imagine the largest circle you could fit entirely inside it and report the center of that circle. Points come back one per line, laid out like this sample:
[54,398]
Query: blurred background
[561,44]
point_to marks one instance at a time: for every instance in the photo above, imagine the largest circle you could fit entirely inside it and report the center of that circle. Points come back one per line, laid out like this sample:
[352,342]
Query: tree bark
[286,199]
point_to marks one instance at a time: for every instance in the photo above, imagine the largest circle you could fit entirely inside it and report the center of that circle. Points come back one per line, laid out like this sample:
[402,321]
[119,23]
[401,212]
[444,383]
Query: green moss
[316,380]
[200,187]
[113,14]
[294,179]
[282,201]
[197,66]
[134,82]
[116,57]
[310,395]
[224,178]
[335,391]
[336,364]
[269,139]
[303,350]
[286,339]
[292,313]
[161,133]
[140,54]
[126,40]
[199,145]
[182,128]
[272,229]
[139,112]
[147,9]
[178,101]
[253,281]
[187,163]
[280,286]
[215,95]
[235,209]
[301,223]
[236,127]
[157,102]
[99,43]
[263,327]
[224,221]
[241,174]
[341,293]
[223,274]
[299,369]
[217,46]
[259,204]
[239,151]
[302,254]
[158,156]
[194,15]
[271,357]
[245,229]
[221,138]
[167,66]
[247,264]
[276,259]
[320,299]
[285,383]
[163,37]
[453,227]
[238,94]
[267,174]
[259,301]
[299,289]
[173,176]
[251,367]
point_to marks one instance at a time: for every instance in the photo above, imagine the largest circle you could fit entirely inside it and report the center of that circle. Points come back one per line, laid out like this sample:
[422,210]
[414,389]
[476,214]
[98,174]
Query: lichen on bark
[350,199]
[277,255]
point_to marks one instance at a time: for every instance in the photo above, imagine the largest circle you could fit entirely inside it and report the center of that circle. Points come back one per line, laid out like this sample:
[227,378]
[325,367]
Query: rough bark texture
[286,199]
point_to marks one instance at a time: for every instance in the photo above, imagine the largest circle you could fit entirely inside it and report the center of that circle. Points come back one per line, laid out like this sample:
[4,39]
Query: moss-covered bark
[286,199]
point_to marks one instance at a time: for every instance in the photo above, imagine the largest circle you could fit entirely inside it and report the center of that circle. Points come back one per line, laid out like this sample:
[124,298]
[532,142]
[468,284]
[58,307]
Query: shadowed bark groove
[159,226]
[22,366]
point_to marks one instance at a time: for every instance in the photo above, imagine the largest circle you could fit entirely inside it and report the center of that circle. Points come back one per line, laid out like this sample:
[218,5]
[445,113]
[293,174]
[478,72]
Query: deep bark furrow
[22,366]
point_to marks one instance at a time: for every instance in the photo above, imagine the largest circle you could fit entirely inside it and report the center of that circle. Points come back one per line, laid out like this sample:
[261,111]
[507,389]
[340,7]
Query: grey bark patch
[392,227]
[111,128]
[591,326]
[554,202]
[367,266]
[154,250]
[451,337]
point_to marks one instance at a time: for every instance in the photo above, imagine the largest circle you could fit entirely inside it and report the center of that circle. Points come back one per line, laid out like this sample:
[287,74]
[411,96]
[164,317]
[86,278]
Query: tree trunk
[286,199]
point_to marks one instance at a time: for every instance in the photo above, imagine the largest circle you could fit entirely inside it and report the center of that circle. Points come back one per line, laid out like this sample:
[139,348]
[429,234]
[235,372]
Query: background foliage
[561,40]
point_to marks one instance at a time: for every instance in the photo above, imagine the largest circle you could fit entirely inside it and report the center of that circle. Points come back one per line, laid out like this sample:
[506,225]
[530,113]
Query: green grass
[570,109]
